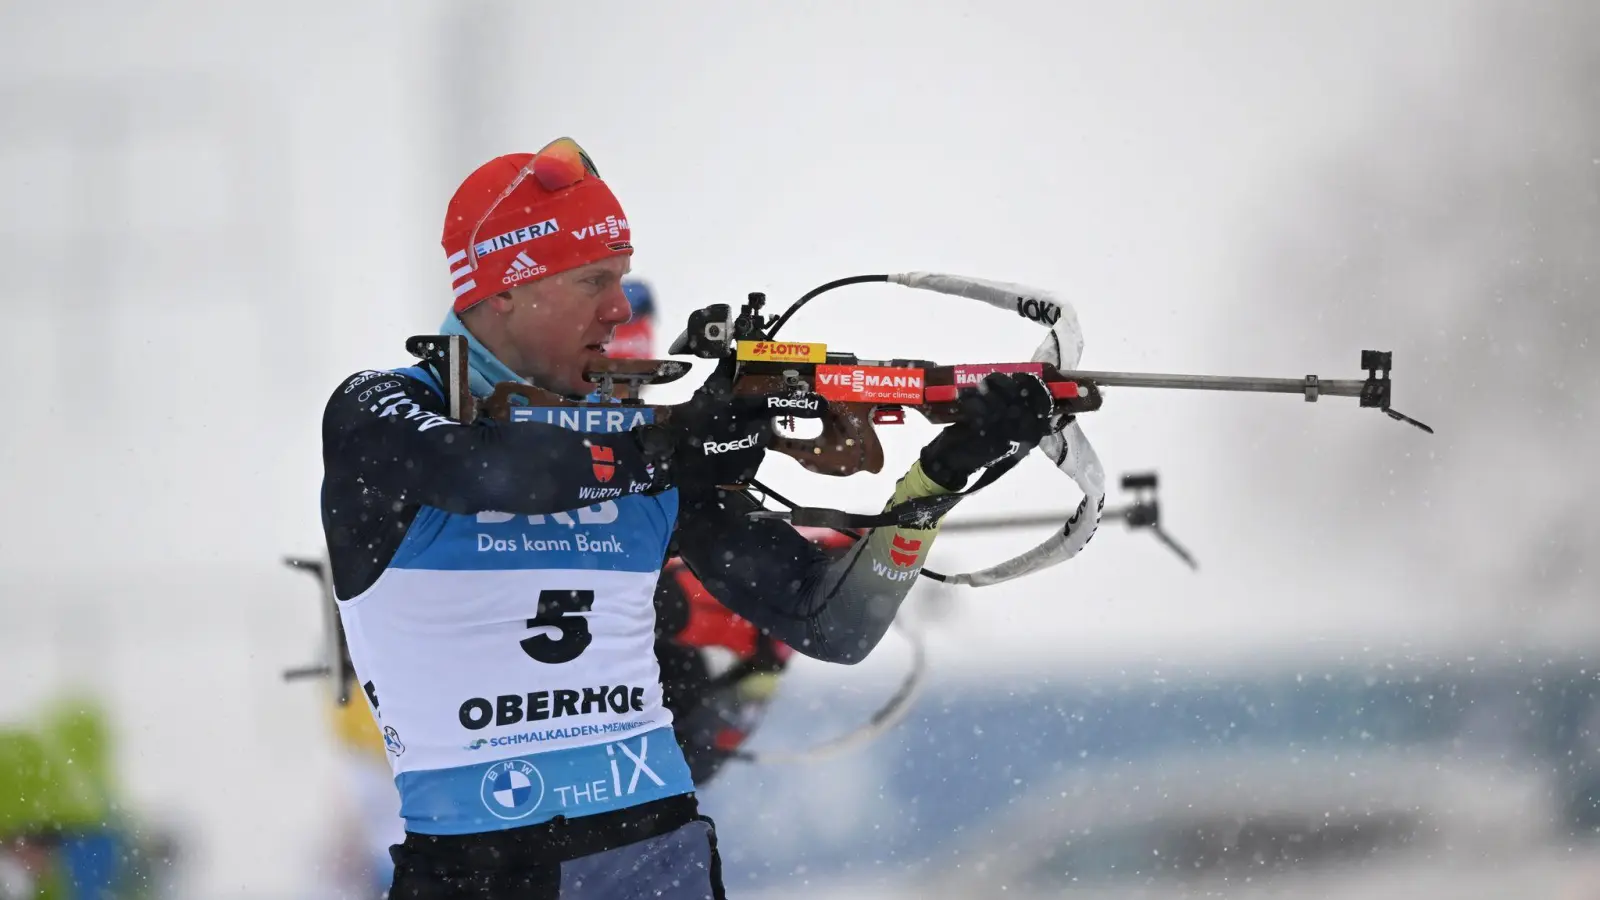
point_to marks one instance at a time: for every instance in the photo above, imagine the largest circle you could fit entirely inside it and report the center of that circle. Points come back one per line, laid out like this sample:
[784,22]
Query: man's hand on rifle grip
[1004,409]
[717,438]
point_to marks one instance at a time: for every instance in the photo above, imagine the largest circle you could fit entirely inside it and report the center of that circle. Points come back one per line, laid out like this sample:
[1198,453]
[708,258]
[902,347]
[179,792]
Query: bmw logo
[512,789]
[391,740]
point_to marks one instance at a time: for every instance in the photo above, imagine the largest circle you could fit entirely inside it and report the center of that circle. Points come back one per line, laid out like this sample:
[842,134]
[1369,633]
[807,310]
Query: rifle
[1142,513]
[336,662]
[864,393]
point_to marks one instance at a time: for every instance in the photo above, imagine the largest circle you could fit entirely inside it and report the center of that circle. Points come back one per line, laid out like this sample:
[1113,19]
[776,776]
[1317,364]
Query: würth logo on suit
[905,551]
[605,462]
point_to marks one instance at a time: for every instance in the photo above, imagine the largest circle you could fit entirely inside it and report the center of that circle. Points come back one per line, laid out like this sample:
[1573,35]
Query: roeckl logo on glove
[805,403]
[712,448]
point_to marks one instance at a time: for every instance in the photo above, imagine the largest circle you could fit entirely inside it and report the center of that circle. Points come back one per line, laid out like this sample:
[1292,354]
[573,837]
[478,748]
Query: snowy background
[210,213]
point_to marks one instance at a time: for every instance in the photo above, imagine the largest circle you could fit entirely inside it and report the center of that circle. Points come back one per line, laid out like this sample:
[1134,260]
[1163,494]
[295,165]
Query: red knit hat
[521,217]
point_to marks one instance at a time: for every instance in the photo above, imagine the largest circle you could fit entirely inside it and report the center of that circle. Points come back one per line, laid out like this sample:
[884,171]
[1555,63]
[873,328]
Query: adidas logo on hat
[522,268]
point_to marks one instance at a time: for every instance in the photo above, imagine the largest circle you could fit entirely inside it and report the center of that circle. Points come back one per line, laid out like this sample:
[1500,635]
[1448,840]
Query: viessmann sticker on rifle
[870,384]
[782,351]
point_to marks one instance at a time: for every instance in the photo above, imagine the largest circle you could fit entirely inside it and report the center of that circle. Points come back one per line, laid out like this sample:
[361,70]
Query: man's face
[557,326]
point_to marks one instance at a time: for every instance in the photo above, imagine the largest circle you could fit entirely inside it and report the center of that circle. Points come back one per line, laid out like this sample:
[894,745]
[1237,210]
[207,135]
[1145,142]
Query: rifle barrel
[1332,388]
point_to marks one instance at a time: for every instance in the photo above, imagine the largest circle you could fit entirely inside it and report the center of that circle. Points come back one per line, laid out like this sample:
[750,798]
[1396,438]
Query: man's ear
[500,303]
[494,304]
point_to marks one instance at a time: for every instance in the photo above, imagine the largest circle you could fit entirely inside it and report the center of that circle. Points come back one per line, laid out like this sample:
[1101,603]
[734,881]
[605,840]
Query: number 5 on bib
[561,610]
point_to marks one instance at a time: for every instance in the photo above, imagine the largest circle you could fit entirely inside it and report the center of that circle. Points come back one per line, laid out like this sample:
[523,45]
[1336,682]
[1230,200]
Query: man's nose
[615,309]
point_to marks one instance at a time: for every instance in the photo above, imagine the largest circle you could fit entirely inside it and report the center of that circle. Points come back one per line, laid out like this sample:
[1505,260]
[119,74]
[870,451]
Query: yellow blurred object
[759,686]
[356,727]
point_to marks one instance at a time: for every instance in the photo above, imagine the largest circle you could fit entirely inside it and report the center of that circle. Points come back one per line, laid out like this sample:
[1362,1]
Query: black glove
[717,438]
[1003,409]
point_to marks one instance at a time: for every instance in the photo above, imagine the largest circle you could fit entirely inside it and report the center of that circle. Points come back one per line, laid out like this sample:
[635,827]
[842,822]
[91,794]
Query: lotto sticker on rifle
[782,351]
[970,376]
[870,384]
